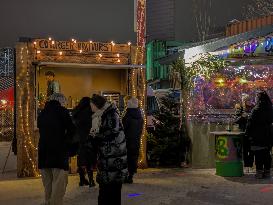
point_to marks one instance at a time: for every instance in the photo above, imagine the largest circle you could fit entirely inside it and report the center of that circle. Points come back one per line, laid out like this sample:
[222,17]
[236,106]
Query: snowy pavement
[153,187]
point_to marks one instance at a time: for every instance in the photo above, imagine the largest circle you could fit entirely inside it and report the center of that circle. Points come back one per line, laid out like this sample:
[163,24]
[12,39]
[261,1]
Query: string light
[50,38]
[129,43]
[113,43]
[23,80]
[25,104]
[90,41]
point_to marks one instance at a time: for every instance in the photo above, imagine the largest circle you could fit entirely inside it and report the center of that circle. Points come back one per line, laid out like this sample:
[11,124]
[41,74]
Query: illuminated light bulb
[90,41]
[38,52]
[118,60]
[113,43]
[100,55]
[80,51]
[53,42]
[50,38]
[34,42]
[129,43]
[118,55]
[73,39]
[61,53]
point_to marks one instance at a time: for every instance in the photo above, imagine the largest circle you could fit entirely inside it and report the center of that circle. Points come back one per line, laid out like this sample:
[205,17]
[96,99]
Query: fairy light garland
[141,32]
[27,148]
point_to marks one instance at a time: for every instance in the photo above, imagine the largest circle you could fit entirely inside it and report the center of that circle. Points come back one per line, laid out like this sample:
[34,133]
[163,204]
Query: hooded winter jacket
[112,154]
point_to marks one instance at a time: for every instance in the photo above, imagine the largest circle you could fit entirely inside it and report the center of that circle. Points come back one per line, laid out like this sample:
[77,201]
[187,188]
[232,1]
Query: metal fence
[7,67]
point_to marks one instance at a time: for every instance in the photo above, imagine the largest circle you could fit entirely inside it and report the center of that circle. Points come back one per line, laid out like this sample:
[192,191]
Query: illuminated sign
[44,44]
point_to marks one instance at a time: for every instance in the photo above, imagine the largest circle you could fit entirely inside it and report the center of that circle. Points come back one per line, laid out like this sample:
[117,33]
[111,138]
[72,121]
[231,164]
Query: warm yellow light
[38,52]
[73,39]
[118,55]
[113,43]
[100,55]
[80,51]
[53,42]
[220,80]
[129,43]
[118,60]
[243,81]
[4,102]
[50,38]
[34,42]
[91,41]
[61,53]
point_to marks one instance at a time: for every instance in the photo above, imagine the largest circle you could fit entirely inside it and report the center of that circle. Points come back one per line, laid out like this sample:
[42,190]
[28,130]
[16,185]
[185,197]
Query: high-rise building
[160,20]
[6,62]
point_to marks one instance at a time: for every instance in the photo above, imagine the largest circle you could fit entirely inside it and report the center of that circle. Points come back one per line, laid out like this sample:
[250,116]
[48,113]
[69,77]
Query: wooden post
[27,150]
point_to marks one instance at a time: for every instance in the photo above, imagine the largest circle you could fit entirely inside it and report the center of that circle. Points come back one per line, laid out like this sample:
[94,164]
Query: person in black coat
[82,118]
[259,133]
[56,131]
[112,156]
[242,112]
[133,126]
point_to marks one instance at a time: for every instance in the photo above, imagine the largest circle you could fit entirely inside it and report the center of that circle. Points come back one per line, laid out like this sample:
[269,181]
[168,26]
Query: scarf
[96,120]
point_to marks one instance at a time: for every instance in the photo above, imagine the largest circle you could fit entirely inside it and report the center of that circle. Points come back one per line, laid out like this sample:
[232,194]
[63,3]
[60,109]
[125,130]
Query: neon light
[134,195]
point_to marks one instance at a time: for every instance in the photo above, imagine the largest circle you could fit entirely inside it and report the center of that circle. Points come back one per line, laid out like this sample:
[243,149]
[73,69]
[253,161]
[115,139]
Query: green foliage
[205,66]
[164,143]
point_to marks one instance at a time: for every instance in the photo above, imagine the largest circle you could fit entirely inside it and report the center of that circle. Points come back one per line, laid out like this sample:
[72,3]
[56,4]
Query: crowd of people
[109,143]
[98,136]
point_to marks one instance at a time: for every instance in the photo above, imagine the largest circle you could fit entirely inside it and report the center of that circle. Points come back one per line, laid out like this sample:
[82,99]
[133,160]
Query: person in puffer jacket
[112,153]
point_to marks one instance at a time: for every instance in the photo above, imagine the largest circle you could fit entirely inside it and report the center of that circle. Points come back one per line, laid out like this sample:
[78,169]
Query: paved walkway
[154,187]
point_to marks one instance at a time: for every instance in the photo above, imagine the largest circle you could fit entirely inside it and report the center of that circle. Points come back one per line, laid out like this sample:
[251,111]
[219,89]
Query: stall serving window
[76,82]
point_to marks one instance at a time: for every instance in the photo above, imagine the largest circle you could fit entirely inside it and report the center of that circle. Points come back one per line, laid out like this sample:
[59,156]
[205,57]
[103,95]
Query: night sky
[97,20]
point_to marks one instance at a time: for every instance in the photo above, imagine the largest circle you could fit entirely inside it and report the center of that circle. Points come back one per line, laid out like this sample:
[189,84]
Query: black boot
[91,179]
[83,180]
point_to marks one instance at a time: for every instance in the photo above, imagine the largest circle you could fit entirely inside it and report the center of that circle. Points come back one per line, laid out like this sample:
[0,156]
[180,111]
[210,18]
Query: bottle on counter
[69,102]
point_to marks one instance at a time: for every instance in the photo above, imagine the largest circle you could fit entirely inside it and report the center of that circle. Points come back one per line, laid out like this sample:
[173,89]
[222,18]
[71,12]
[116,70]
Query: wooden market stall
[82,69]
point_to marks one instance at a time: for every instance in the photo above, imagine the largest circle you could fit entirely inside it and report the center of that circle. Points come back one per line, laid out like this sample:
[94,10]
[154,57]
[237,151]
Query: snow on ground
[153,187]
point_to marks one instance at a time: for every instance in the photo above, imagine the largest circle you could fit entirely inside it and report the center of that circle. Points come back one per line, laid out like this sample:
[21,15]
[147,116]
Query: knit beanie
[58,97]
[98,100]
[132,103]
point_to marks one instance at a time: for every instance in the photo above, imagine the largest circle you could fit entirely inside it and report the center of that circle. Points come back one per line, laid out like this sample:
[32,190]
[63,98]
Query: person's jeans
[110,194]
[263,159]
[55,182]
